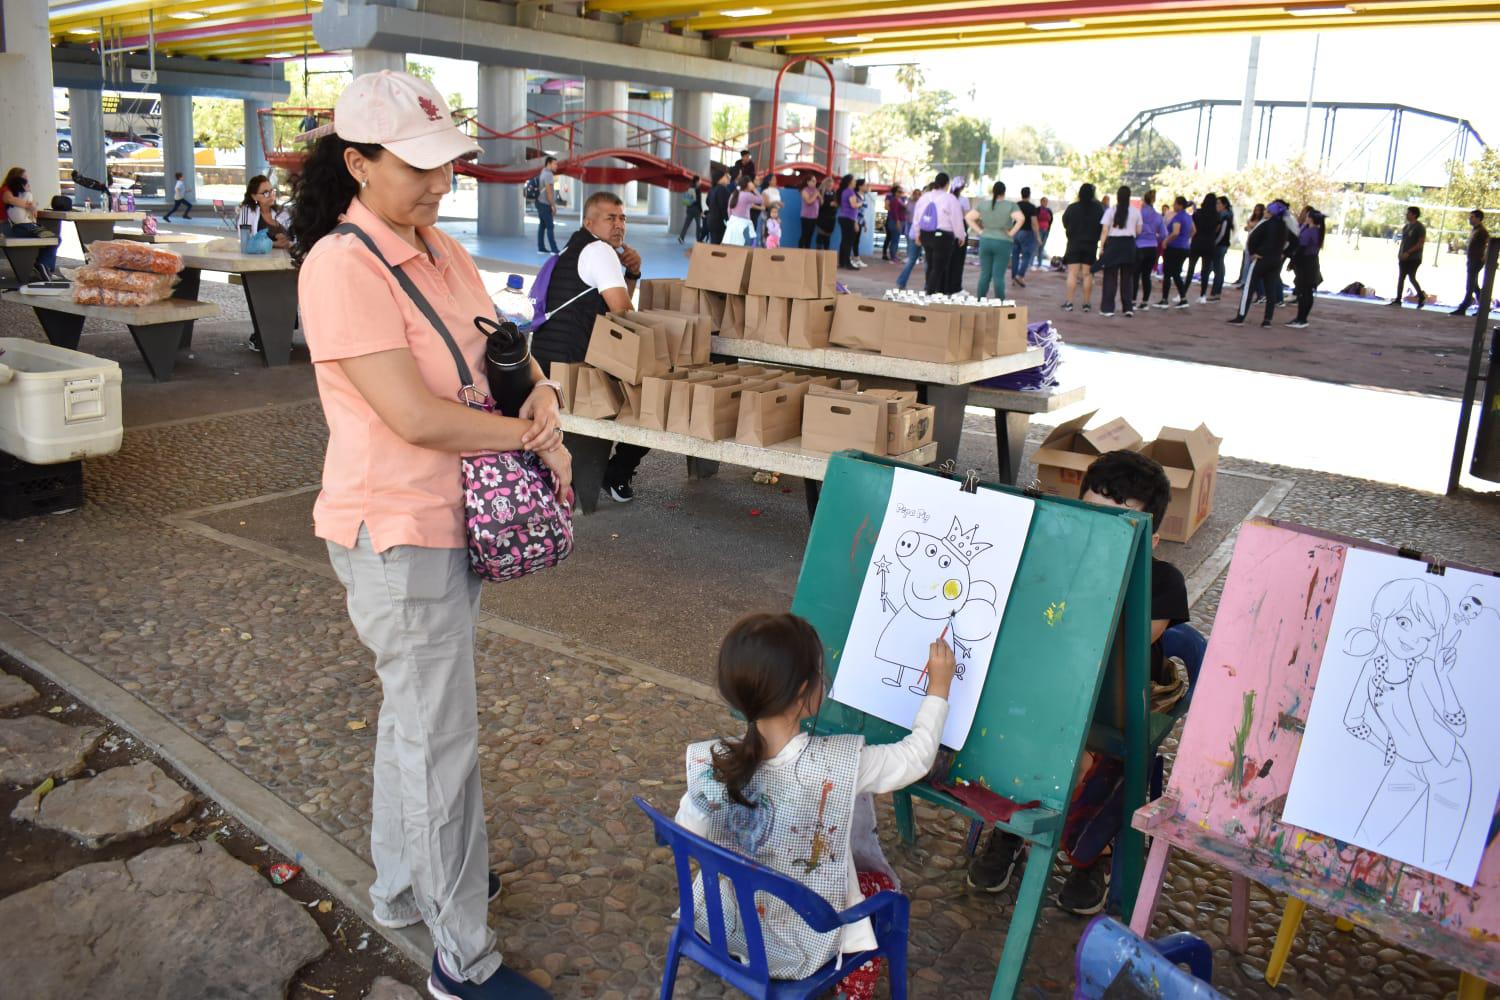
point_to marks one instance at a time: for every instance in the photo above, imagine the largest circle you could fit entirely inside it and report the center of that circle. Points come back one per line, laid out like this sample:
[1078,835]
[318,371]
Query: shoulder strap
[465,377]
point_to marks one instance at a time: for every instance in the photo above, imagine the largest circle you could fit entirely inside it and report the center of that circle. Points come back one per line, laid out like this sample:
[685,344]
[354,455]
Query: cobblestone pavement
[254,655]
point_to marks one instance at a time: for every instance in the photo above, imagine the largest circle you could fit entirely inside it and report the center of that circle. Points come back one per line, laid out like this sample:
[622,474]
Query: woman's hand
[546,422]
[560,461]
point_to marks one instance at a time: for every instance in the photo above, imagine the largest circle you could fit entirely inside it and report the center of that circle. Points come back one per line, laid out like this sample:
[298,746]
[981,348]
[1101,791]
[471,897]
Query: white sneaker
[1202,300]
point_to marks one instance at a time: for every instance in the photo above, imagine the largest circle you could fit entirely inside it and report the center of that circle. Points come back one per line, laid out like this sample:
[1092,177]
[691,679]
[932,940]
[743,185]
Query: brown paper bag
[793,274]
[719,268]
[928,334]
[733,323]
[565,374]
[697,346]
[770,414]
[680,400]
[676,327]
[656,398]
[834,420]
[809,322]
[772,320]
[660,293]
[858,323]
[716,408]
[630,405]
[598,395]
[627,350]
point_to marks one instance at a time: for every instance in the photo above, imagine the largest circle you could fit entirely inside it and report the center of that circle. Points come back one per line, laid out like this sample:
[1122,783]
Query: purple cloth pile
[1044,375]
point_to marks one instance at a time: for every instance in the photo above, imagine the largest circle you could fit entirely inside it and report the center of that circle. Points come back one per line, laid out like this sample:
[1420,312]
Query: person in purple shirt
[1179,241]
[895,223]
[808,219]
[849,203]
[1305,263]
[1148,244]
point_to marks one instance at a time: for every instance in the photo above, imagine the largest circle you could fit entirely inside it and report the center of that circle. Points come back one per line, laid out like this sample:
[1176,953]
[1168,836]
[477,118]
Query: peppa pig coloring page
[942,567]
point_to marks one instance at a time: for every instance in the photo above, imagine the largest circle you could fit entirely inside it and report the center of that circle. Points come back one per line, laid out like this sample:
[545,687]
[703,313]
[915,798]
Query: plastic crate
[27,490]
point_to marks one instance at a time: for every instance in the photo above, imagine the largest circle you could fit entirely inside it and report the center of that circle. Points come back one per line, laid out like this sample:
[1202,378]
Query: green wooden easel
[1085,573]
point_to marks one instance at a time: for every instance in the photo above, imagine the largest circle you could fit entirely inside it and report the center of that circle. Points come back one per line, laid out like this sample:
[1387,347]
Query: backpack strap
[465,377]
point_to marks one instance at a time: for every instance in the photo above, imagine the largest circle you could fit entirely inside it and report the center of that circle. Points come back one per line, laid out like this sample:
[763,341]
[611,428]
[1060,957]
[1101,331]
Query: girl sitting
[799,804]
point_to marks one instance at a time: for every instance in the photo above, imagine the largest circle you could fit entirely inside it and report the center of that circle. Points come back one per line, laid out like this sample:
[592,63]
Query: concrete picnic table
[22,253]
[140,236]
[270,289]
[945,386]
[160,329]
[92,226]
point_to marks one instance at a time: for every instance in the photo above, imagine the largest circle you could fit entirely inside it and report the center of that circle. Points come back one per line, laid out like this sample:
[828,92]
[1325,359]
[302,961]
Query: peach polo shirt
[352,306]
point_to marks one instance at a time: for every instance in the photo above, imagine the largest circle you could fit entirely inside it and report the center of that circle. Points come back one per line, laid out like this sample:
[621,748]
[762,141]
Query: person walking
[997,221]
[1409,256]
[1117,254]
[1305,263]
[1180,233]
[546,207]
[1148,245]
[1257,216]
[1025,240]
[938,219]
[1043,230]
[1081,222]
[1479,238]
[913,237]
[179,198]
[809,200]
[744,200]
[828,214]
[718,207]
[692,203]
[391,509]
[1266,248]
[895,223]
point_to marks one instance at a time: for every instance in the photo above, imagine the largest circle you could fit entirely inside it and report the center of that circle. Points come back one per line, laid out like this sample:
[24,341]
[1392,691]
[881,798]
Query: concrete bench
[160,329]
[1013,410]
[788,458]
[22,252]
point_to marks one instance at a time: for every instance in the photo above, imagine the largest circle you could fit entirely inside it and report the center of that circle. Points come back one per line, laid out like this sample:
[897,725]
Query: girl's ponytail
[1361,642]
[735,764]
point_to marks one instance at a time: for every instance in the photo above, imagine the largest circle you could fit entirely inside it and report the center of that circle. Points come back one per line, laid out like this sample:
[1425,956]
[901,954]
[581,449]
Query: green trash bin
[1486,461]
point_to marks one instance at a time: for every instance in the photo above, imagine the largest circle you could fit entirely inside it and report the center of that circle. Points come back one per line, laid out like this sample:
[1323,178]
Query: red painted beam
[221,30]
[1035,11]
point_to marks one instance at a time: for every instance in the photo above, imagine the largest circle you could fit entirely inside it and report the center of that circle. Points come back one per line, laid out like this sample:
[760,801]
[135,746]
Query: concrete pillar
[604,133]
[26,97]
[255,150]
[842,128]
[177,142]
[659,199]
[762,136]
[502,106]
[374,60]
[821,129]
[86,117]
[692,112]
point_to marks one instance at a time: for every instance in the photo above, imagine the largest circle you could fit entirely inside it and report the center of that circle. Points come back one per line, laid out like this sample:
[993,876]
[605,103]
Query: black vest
[565,335]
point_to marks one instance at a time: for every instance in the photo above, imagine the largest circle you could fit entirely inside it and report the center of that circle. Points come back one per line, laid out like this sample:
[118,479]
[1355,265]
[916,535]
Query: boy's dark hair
[1128,475]
[1414,211]
[549,161]
[766,663]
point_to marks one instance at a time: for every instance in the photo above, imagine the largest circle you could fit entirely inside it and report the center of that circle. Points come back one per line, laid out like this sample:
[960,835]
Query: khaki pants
[414,608]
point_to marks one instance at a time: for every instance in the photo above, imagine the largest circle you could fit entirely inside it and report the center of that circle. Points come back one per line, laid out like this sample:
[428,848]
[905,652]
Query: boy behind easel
[1118,479]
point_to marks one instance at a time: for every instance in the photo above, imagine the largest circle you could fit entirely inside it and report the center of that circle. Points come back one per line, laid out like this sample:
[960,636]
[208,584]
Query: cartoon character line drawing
[1404,705]
[939,589]
[1474,604]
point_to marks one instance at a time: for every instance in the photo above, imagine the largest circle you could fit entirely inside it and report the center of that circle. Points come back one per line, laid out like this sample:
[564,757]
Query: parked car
[151,138]
[65,142]
[122,150]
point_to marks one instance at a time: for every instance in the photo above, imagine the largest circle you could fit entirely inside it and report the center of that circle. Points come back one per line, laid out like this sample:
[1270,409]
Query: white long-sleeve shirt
[884,768]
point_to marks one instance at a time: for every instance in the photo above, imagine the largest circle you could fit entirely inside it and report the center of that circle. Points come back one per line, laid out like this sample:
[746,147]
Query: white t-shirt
[599,266]
[771,196]
[1132,227]
[179,190]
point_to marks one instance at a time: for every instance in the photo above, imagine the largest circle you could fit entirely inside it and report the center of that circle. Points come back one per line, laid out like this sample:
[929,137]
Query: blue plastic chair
[1108,952]
[888,913]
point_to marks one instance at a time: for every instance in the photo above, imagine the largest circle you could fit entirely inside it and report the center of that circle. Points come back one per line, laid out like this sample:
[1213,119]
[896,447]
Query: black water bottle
[507,363]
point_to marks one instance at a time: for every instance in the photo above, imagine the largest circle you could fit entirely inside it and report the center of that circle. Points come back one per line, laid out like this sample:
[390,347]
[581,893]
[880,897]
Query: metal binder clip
[971,481]
[1436,568]
[948,468]
[1033,489]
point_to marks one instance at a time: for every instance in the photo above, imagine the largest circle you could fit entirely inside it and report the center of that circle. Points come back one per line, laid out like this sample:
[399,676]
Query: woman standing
[741,231]
[1179,238]
[20,220]
[391,509]
[1208,225]
[811,201]
[913,237]
[848,207]
[997,222]
[828,214]
[895,223]
[692,203]
[1148,246]
[1305,263]
[1257,216]
[858,201]
[1081,222]
[1117,254]
[259,211]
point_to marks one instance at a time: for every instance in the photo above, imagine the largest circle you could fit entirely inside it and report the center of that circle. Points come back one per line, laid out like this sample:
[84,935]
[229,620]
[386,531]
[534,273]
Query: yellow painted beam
[232,51]
[133,17]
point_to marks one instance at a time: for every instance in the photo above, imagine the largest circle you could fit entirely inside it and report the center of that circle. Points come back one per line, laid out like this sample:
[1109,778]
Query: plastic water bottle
[513,305]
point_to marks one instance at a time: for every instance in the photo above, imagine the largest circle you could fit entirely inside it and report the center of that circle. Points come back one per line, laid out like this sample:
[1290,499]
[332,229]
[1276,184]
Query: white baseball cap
[405,115]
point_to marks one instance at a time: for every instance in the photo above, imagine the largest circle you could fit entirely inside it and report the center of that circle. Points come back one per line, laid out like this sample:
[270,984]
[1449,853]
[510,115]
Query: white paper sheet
[944,559]
[1401,754]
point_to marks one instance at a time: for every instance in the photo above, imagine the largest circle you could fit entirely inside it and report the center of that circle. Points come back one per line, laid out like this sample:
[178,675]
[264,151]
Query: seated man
[1118,479]
[595,274]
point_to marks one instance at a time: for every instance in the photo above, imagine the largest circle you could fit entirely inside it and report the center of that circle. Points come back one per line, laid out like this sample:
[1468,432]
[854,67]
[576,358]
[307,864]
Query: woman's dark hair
[859,183]
[766,664]
[844,182]
[1087,193]
[1258,212]
[1122,206]
[1225,199]
[1210,203]
[252,186]
[996,193]
[1123,476]
[745,183]
[1316,219]
[323,191]
[1179,203]
[15,180]
[1148,196]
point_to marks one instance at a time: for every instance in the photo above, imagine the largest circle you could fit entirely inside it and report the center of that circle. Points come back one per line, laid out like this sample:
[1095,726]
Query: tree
[1149,152]
[911,77]
[1477,184]
[422,71]
[960,143]
[1030,145]
[1294,181]
[1104,168]
[311,90]
[731,122]
[884,134]
[219,123]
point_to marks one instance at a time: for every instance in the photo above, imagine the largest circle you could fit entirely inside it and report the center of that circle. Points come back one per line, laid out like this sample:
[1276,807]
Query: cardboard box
[598,395]
[766,318]
[939,335]
[809,322]
[680,400]
[565,374]
[627,350]
[1191,461]
[909,428]
[858,323]
[1069,450]
[770,414]
[833,420]
[660,293]
[716,408]
[719,268]
[793,274]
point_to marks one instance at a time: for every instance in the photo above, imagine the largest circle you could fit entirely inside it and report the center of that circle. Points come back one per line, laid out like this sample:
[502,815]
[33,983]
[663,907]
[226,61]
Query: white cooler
[57,405]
